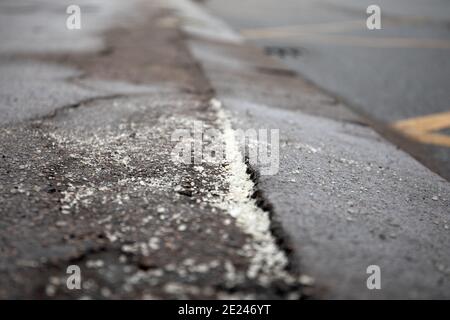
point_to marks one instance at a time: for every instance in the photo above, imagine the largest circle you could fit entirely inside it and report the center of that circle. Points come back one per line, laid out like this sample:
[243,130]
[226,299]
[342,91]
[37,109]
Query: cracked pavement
[344,198]
[87,175]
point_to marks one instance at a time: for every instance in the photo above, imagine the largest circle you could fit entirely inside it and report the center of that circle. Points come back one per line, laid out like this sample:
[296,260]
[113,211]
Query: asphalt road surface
[89,174]
[344,198]
[397,76]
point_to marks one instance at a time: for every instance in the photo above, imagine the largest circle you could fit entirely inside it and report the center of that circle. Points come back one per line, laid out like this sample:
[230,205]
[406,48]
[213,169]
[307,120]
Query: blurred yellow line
[382,42]
[431,138]
[374,42]
[426,123]
[325,27]
[317,34]
[423,129]
[295,30]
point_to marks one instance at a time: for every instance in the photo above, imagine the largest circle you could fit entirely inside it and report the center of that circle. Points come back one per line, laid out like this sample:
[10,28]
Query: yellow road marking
[323,33]
[423,129]
[298,30]
[378,42]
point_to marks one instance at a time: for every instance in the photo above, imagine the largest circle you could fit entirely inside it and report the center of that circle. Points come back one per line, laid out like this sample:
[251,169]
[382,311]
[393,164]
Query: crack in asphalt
[76,105]
[254,215]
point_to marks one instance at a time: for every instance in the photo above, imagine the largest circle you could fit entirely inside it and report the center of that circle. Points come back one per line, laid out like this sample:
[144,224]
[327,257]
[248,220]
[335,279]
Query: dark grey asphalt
[344,197]
[87,175]
[385,81]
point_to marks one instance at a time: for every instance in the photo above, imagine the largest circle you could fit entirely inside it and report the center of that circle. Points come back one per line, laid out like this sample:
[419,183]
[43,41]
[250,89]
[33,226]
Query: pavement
[88,176]
[388,76]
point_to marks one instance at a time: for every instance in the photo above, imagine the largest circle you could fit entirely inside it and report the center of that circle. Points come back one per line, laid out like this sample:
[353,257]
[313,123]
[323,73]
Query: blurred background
[397,77]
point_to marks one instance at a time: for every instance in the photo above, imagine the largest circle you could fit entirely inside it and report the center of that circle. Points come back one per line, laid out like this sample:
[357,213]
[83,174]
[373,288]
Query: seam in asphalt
[255,216]
[258,200]
[76,105]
